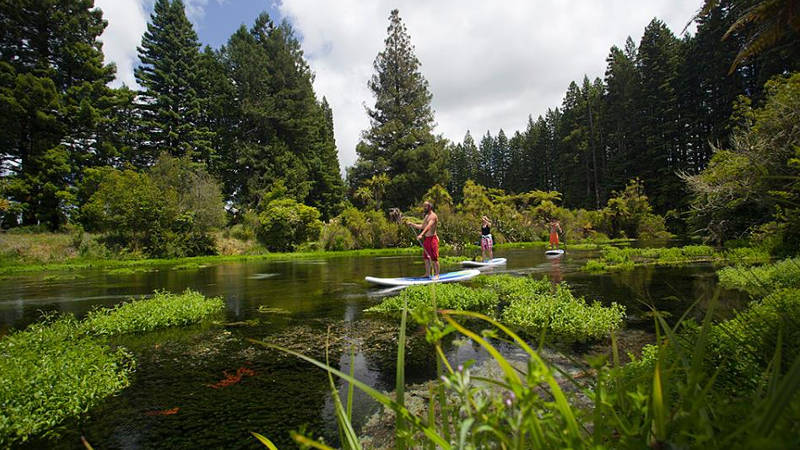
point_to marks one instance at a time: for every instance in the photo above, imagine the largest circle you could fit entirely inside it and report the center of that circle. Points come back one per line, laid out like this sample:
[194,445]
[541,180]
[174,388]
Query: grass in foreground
[61,367]
[669,399]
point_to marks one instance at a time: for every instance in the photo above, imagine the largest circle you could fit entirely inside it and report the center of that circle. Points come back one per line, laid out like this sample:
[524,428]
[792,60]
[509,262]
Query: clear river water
[208,385]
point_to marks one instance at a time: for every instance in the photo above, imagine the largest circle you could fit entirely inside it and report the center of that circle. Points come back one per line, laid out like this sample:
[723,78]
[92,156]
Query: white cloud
[127,22]
[489,64]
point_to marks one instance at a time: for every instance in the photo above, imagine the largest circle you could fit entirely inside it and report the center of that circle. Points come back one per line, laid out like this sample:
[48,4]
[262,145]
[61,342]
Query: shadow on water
[207,386]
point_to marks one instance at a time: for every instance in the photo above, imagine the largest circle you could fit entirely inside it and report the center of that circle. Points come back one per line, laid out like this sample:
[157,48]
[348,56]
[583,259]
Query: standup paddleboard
[491,262]
[558,252]
[460,275]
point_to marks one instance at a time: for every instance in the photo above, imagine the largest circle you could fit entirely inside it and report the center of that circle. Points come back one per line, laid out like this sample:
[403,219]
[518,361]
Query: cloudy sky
[489,64]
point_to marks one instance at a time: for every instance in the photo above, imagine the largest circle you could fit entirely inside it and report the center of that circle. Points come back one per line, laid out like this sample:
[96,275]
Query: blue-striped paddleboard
[491,262]
[448,277]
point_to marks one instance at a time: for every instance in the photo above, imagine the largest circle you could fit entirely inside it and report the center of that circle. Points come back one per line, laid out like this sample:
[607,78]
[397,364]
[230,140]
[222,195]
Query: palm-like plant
[764,24]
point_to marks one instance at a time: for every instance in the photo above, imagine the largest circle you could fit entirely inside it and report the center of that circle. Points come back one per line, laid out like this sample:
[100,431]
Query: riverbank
[36,252]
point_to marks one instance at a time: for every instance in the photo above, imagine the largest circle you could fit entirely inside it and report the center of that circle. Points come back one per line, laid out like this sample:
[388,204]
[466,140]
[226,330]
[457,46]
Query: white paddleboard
[491,262]
[558,252]
[460,275]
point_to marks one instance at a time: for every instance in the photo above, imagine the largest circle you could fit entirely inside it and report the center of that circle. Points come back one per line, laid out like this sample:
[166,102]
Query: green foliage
[169,211]
[534,306]
[745,344]
[527,304]
[285,224]
[50,372]
[162,310]
[761,279]
[356,229]
[420,300]
[746,186]
[667,398]
[615,258]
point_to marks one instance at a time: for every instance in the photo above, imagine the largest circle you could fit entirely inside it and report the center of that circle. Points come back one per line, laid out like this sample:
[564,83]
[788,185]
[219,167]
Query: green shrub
[745,344]
[50,372]
[168,211]
[164,309]
[761,279]
[285,224]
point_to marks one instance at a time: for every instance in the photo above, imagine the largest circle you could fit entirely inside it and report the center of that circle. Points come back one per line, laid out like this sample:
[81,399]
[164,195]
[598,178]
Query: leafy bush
[169,211]
[162,310]
[761,279]
[335,237]
[50,372]
[285,224]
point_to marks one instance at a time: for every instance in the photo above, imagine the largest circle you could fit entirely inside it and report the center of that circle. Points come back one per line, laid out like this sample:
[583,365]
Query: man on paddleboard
[430,244]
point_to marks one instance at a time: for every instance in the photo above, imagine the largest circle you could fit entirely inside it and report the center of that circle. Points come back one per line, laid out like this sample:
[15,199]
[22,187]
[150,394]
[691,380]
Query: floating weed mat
[61,368]
[163,310]
[533,306]
[50,372]
[614,258]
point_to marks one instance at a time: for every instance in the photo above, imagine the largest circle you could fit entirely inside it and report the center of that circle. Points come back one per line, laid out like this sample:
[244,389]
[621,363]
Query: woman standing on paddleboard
[555,228]
[486,238]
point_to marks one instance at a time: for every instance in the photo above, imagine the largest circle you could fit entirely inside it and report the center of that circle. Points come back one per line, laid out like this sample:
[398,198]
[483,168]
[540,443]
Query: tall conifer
[170,79]
[400,141]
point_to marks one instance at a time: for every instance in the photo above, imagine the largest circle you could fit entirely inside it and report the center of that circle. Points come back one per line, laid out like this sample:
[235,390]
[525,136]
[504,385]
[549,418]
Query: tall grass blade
[374,393]
[560,399]
[347,435]
[659,410]
[267,443]
[302,440]
[350,385]
[400,380]
[780,399]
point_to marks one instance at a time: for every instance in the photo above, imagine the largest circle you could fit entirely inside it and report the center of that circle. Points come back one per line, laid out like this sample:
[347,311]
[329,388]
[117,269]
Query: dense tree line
[247,113]
[659,111]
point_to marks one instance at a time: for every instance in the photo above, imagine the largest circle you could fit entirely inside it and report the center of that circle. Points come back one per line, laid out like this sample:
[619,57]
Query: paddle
[396,215]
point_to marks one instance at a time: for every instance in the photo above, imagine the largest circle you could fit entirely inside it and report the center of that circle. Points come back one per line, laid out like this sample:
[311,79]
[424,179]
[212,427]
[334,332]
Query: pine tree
[400,141]
[53,96]
[657,158]
[170,77]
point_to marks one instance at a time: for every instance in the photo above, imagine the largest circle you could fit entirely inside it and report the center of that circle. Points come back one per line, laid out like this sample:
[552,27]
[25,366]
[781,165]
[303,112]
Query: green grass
[61,368]
[667,399]
[761,279]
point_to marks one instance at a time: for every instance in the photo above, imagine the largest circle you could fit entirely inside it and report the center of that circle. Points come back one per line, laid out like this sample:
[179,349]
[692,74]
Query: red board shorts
[431,246]
[554,238]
